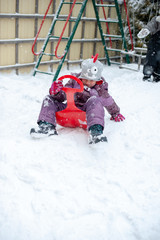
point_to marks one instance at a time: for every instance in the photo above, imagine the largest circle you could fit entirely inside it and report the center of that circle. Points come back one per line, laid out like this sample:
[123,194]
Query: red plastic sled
[71,116]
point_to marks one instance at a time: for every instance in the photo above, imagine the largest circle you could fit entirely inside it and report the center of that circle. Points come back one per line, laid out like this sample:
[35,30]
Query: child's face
[88,83]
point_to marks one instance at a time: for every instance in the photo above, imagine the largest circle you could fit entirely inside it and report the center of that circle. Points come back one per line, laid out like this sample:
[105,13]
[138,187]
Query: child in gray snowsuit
[92,100]
[152,62]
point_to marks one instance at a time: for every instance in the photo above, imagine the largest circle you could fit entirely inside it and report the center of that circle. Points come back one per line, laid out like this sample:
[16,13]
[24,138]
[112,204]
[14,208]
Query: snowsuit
[91,100]
[152,62]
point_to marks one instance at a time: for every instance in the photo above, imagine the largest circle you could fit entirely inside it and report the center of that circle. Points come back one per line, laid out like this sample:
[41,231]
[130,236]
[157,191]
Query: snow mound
[60,188]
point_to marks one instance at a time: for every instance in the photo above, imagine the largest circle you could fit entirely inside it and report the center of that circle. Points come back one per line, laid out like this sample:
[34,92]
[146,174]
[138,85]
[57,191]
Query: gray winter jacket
[153,26]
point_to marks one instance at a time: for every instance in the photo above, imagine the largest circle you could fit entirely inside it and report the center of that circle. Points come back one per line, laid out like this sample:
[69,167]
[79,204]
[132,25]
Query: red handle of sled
[71,91]
[71,116]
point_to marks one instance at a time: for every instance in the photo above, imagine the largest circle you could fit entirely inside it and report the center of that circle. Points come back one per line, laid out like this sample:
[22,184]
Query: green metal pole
[70,39]
[101,33]
[48,36]
[121,29]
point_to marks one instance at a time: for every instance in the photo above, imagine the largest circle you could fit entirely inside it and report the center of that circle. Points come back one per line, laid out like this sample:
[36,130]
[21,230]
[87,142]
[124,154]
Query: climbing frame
[70,25]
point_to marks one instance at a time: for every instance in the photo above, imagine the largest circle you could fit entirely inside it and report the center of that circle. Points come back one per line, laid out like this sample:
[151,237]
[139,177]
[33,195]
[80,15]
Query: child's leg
[150,61]
[95,120]
[156,73]
[48,110]
[94,112]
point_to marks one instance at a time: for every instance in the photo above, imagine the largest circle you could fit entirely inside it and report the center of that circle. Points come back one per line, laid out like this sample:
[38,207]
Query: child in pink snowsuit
[92,100]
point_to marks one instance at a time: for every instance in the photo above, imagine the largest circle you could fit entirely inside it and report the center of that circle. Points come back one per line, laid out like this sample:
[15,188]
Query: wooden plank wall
[20,21]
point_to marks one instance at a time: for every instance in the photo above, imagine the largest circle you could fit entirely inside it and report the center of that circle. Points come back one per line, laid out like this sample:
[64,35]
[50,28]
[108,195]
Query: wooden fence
[20,21]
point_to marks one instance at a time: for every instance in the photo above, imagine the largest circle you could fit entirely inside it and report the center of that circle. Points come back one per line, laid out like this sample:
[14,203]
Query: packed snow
[62,188]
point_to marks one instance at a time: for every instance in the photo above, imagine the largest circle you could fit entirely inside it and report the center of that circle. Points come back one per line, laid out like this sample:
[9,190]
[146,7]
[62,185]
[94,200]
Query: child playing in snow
[152,63]
[92,100]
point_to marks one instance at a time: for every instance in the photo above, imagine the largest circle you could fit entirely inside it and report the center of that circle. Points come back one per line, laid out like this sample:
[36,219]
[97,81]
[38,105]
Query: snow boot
[96,134]
[156,78]
[147,78]
[44,129]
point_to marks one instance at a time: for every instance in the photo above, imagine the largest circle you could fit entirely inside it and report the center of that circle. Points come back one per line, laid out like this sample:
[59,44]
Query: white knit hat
[91,69]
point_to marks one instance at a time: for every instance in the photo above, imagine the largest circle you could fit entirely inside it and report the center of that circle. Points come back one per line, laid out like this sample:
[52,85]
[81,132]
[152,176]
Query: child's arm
[152,27]
[109,103]
[114,111]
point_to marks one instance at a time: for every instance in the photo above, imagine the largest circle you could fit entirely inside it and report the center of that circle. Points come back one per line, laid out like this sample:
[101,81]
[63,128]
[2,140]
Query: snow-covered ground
[61,188]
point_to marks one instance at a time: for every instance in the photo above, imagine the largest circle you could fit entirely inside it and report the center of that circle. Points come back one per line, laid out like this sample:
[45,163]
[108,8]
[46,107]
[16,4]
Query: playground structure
[87,39]
[137,56]
[58,17]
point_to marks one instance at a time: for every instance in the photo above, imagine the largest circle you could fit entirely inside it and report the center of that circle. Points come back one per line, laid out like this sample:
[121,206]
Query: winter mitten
[158,19]
[117,118]
[55,87]
[143,33]
[82,96]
